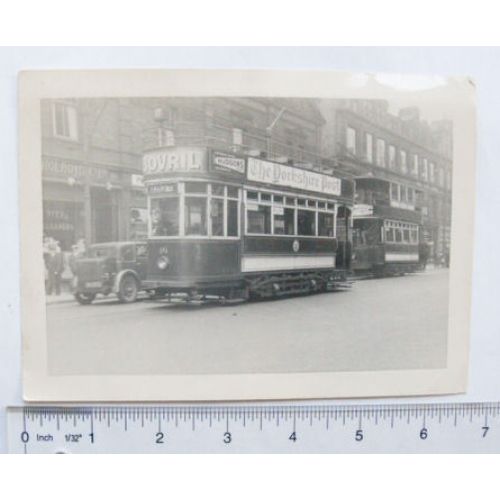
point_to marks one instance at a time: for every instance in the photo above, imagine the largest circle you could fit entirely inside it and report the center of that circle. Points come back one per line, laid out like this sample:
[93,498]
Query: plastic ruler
[425,428]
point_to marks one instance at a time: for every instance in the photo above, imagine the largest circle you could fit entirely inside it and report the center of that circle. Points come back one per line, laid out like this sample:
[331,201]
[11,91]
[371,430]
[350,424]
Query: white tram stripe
[401,257]
[285,262]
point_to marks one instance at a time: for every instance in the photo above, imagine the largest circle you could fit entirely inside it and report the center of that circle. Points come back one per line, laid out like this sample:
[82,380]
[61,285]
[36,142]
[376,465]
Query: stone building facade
[367,140]
[92,152]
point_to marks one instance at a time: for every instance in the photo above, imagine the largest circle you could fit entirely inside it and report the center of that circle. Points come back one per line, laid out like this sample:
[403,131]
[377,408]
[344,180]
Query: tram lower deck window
[195,216]
[217,216]
[306,221]
[284,221]
[325,224]
[259,219]
[165,216]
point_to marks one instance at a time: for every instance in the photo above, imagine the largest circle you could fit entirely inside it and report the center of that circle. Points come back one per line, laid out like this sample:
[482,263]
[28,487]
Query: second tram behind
[226,225]
[386,229]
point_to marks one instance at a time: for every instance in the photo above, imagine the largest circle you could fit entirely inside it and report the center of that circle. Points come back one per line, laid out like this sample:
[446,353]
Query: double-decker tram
[228,226]
[386,229]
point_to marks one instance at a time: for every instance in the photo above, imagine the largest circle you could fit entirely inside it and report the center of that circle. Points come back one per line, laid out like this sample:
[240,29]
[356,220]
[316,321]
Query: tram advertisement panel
[286,176]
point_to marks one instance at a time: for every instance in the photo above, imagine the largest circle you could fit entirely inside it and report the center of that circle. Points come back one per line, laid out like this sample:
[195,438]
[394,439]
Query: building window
[380,153]
[394,192]
[425,172]
[403,161]
[431,172]
[414,170]
[369,148]
[65,121]
[392,156]
[351,140]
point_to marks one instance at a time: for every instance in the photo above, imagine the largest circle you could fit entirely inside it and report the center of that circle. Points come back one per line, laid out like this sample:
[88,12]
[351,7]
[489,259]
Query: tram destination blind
[433,428]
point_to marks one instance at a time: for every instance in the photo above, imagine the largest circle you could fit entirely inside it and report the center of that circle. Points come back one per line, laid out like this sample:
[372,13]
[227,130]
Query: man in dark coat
[55,268]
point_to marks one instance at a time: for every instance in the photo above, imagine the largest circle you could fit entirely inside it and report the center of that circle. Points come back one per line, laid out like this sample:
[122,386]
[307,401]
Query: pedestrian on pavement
[423,254]
[55,267]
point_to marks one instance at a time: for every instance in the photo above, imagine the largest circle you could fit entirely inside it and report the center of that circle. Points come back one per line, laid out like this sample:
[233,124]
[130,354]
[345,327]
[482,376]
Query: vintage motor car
[106,268]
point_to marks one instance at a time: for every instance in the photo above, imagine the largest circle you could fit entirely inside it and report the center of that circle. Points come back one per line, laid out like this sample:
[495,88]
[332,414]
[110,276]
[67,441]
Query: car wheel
[84,298]
[128,290]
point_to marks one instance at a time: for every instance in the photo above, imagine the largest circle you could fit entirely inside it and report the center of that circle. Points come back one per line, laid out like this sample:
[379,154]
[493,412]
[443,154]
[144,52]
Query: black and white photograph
[268,238]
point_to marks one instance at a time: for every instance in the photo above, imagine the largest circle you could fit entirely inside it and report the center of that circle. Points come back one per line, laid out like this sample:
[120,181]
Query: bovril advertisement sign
[174,160]
[284,175]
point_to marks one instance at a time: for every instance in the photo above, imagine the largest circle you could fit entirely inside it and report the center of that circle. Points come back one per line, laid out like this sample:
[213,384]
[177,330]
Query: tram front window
[165,216]
[325,224]
[366,232]
[195,216]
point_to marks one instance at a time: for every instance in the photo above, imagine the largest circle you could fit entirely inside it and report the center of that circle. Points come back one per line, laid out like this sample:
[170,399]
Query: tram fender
[120,275]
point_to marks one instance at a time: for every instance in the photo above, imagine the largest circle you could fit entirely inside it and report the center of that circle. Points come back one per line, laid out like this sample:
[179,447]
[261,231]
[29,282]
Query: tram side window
[306,222]
[259,219]
[232,218]
[406,235]
[414,235]
[284,221]
[325,224]
[165,216]
[389,234]
[195,216]
[399,236]
[217,216]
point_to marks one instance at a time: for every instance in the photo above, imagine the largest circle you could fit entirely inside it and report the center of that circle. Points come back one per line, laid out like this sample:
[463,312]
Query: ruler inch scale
[265,428]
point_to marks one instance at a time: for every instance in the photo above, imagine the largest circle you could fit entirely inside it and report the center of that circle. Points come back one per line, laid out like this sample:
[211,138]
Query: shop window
[259,219]
[65,121]
[232,218]
[325,224]
[195,216]
[165,216]
[306,221]
[217,216]
[265,197]
[252,195]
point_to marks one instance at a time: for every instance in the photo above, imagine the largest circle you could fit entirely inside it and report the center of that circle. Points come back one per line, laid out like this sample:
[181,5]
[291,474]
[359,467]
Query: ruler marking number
[227,437]
[424,433]
[159,438]
[25,437]
[293,437]
[485,429]
[359,435]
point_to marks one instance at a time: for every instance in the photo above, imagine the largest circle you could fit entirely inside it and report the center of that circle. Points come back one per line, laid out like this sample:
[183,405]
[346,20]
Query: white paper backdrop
[480,64]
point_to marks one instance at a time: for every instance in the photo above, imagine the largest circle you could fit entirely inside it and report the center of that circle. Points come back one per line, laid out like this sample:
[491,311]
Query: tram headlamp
[162,262]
